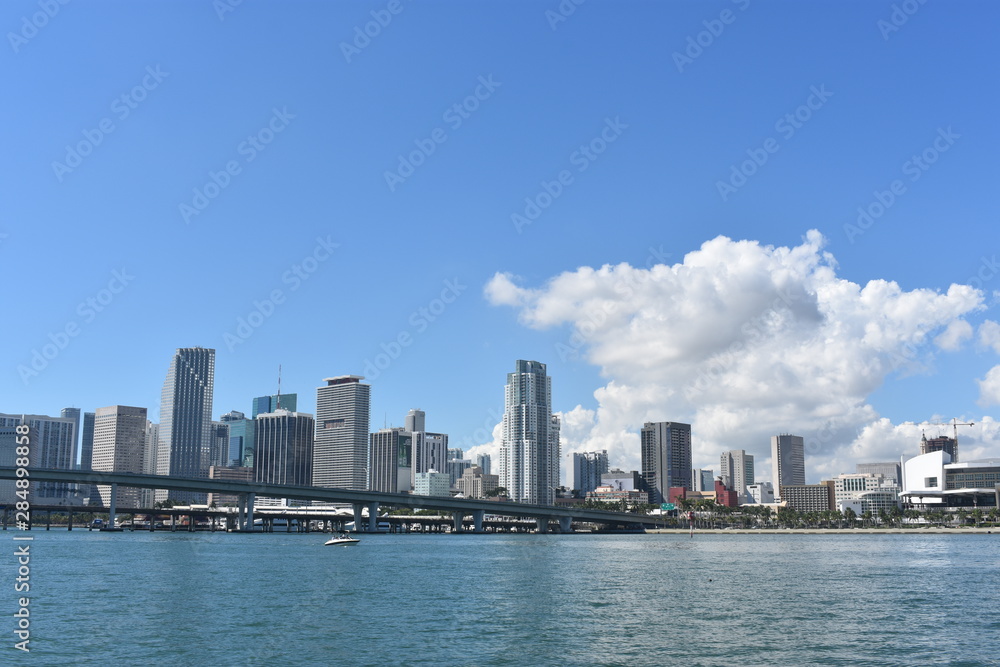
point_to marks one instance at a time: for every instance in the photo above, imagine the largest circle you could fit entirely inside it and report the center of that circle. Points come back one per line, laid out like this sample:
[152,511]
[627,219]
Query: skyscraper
[340,453]
[283,447]
[185,435]
[89,491]
[939,444]
[737,471]
[587,470]
[146,496]
[53,445]
[529,448]
[240,438]
[485,462]
[430,451]
[415,420]
[74,414]
[787,461]
[666,458]
[391,460]
[120,446]
[264,404]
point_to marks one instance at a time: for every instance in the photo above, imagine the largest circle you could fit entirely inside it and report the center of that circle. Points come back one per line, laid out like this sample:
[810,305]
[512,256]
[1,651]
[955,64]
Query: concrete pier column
[71,519]
[566,524]
[372,517]
[357,516]
[457,518]
[543,524]
[251,499]
[114,504]
[477,519]
[241,508]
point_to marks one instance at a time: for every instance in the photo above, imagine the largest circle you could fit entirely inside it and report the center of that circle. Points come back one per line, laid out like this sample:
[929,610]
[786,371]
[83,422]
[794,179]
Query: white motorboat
[341,540]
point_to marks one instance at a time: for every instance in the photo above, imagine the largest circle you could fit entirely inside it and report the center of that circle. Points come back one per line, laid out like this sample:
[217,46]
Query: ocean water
[492,600]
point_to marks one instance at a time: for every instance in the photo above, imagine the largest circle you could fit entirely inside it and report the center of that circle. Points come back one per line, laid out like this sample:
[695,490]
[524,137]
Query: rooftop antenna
[278,407]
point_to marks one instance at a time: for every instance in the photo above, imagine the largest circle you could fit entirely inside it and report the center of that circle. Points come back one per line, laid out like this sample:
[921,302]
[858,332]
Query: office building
[415,421]
[430,451]
[865,492]
[587,470]
[474,483]
[391,460]
[761,493]
[485,462]
[74,414]
[52,445]
[88,491]
[456,468]
[340,452]
[737,471]
[230,474]
[888,469]
[432,483]
[809,497]
[120,446]
[529,448]
[702,479]
[220,444]
[283,448]
[241,439]
[666,458]
[787,461]
[619,480]
[147,496]
[940,444]
[268,404]
[185,435]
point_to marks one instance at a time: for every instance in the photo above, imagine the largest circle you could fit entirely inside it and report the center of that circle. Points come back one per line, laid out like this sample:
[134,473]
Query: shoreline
[828,531]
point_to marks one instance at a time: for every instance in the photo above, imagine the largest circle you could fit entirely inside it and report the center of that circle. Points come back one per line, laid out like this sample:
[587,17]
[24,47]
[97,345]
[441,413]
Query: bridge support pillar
[251,499]
[372,517]
[113,504]
[457,518]
[357,516]
[543,524]
[477,519]
[566,524]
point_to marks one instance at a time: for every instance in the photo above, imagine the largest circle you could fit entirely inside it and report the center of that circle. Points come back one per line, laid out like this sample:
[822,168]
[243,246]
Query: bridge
[247,493]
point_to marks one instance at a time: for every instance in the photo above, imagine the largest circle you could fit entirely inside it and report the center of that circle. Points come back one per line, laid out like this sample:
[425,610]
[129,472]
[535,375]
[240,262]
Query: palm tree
[850,516]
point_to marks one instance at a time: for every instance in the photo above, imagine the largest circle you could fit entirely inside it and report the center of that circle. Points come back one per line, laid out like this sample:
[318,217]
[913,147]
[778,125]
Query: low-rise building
[809,497]
[432,483]
[865,492]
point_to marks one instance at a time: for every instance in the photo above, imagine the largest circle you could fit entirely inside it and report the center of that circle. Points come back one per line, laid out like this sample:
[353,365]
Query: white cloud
[744,341]
[989,335]
[989,388]
[956,333]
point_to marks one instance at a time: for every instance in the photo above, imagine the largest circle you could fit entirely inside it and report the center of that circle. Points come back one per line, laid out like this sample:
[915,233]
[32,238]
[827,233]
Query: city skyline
[677,231]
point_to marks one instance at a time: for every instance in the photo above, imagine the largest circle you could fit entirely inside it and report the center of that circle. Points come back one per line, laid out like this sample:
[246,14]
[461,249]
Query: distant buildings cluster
[277,444]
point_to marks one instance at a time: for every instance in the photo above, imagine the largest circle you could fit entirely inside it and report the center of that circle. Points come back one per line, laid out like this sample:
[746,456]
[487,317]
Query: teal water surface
[492,600]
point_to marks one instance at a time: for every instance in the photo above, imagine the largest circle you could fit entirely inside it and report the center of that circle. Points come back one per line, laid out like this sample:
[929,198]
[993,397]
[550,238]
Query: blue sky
[309,118]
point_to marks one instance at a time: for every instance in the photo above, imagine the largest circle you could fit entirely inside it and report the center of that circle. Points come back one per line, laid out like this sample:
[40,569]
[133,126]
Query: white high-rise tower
[529,450]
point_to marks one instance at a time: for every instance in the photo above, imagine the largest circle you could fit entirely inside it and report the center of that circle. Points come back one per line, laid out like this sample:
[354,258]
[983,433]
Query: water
[492,600]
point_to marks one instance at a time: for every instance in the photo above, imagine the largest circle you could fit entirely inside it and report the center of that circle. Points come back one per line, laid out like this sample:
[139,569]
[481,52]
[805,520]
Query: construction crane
[955,424]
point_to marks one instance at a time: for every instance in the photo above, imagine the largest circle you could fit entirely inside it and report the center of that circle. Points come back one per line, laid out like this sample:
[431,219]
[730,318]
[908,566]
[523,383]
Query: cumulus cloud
[989,388]
[744,341]
[989,335]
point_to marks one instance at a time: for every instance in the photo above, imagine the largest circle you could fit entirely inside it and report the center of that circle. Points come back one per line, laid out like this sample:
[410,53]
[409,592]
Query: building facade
[529,447]
[391,460]
[587,470]
[737,471]
[430,450]
[865,492]
[474,483]
[340,454]
[120,446]
[788,465]
[185,435]
[940,444]
[268,404]
[761,493]
[666,458]
[888,469]
[432,483]
[283,448]
[809,497]
[52,445]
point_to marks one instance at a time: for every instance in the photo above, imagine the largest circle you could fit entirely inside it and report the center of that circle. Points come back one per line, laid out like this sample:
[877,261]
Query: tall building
[415,420]
[340,453]
[788,462]
[52,445]
[147,496]
[702,480]
[940,444]
[474,483]
[74,414]
[587,470]
[529,448]
[220,444]
[430,451]
[888,469]
[391,460]
[432,483]
[120,446]
[666,458]
[485,462]
[240,439]
[283,448]
[88,491]
[456,468]
[266,404]
[185,443]
[737,471]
